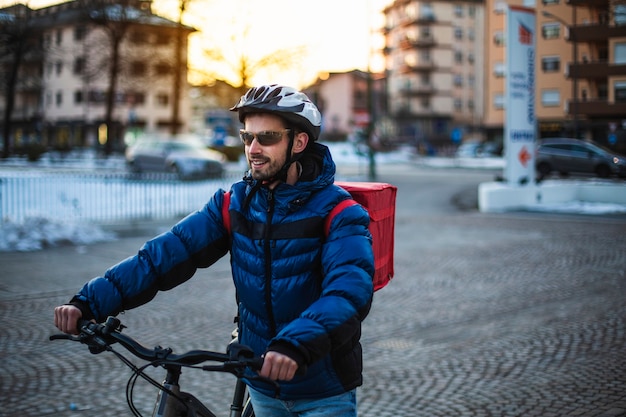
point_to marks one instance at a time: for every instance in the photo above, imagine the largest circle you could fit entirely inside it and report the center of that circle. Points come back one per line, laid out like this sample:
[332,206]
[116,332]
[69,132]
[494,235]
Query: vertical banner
[520,124]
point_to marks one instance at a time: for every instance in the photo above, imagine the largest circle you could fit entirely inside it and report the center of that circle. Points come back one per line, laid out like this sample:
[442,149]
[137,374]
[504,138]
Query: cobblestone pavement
[519,314]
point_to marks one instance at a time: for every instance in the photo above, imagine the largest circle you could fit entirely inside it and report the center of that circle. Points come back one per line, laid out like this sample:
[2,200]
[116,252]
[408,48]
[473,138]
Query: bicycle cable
[139,372]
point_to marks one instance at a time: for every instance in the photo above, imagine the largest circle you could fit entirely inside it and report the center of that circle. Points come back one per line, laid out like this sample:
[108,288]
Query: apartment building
[435,69]
[581,69]
[61,96]
[348,101]
[598,72]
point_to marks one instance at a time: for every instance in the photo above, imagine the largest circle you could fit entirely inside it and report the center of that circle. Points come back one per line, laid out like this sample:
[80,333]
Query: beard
[263,168]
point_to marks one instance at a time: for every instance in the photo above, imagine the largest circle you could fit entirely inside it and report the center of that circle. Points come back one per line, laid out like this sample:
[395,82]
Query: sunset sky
[336,35]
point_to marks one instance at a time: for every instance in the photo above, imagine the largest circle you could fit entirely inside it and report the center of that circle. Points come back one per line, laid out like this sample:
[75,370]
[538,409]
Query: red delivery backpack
[379,199]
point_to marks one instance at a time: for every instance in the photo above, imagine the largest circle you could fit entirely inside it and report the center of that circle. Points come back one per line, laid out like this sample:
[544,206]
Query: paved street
[516,314]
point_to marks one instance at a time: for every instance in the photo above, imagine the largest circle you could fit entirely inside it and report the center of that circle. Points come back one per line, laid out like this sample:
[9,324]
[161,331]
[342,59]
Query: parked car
[565,156]
[478,150]
[467,150]
[186,156]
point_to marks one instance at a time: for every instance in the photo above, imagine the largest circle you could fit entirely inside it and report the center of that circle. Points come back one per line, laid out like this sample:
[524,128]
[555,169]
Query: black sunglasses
[265,138]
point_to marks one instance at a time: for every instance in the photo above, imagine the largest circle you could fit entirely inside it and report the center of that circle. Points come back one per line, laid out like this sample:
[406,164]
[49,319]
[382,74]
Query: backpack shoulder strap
[226,211]
[335,211]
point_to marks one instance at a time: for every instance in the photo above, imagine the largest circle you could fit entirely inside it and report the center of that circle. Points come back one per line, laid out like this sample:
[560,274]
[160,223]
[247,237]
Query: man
[302,296]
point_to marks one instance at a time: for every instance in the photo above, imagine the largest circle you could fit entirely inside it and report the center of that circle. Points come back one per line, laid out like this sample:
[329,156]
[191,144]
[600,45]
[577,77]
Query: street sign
[520,128]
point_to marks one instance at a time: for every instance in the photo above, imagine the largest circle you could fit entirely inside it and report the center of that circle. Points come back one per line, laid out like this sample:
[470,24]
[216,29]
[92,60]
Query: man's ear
[300,141]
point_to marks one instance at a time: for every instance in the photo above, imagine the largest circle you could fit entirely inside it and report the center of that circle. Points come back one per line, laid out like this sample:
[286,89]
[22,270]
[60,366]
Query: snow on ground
[38,232]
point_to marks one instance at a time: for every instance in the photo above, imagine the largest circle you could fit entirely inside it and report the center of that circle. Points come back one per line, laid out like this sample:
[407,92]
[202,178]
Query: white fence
[102,197]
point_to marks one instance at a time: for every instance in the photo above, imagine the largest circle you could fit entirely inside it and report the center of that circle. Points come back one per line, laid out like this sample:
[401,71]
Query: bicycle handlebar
[100,336]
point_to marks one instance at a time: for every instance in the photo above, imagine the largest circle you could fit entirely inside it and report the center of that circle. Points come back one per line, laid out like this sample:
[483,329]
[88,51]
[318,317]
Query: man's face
[265,160]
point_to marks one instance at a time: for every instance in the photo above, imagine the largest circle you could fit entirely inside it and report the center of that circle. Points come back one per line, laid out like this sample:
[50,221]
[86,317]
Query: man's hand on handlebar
[278,367]
[66,318]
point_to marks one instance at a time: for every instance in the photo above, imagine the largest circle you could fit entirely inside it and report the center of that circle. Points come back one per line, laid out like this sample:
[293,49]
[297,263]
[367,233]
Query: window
[426,11]
[550,63]
[97,96]
[162,68]
[458,104]
[458,57]
[619,89]
[138,37]
[619,52]
[550,98]
[499,69]
[550,2]
[619,14]
[550,30]
[458,10]
[59,67]
[471,34]
[498,38]
[471,10]
[470,104]
[138,68]
[470,57]
[79,65]
[500,7]
[458,33]
[498,101]
[162,39]
[78,97]
[80,32]
[135,98]
[162,99]
[59,38]
[59,98]
[458,80]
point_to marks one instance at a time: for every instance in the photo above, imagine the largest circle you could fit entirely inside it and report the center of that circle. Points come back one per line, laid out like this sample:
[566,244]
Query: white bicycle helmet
[287,102]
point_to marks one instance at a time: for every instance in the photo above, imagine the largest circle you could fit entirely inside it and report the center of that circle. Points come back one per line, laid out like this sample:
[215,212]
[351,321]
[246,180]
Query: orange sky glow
[335,35]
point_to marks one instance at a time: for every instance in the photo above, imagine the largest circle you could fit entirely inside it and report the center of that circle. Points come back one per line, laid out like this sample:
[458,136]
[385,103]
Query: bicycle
[171,401]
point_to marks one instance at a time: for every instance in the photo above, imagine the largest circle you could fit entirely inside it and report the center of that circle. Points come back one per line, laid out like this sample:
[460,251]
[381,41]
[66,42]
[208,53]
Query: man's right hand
[66,318]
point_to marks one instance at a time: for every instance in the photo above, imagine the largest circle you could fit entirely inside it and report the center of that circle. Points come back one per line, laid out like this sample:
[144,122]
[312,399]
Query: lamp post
[574,104]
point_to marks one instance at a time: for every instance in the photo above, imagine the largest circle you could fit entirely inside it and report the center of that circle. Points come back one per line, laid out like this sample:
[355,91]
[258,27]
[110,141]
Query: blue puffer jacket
[299,292]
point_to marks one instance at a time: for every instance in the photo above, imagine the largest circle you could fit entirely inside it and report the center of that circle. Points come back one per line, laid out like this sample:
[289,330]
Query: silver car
[565,156]
[185,156]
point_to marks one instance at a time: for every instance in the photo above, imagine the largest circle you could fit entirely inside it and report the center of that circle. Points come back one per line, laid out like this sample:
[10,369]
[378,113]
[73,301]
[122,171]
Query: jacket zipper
[268,263]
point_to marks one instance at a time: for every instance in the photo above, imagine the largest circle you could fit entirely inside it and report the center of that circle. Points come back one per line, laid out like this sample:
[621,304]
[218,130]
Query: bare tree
[18,37]
[243,64]
[178,66]
[115,20]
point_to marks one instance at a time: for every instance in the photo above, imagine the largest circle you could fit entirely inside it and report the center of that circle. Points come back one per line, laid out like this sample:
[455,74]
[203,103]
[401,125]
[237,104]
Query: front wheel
[544,169]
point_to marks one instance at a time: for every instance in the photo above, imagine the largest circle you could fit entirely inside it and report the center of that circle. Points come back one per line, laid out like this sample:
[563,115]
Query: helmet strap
[289,159]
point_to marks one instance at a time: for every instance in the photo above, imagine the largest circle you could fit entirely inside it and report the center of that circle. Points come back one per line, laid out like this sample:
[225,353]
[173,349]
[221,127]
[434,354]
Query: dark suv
[565,156]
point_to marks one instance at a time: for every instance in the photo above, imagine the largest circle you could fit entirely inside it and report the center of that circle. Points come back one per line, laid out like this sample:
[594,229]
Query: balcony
[589,3]
[419,90]
[418,67]
[422,42]
[599,108]
[595,32]
[596,69]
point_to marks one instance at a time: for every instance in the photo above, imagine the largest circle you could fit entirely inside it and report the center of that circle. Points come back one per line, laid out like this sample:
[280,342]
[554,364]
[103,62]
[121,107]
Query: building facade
[349,101]
[434,67]
[63,86]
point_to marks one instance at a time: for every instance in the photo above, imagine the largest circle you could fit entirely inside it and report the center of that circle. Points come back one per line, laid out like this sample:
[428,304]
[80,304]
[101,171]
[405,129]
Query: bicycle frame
[168,405]
[171,401]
